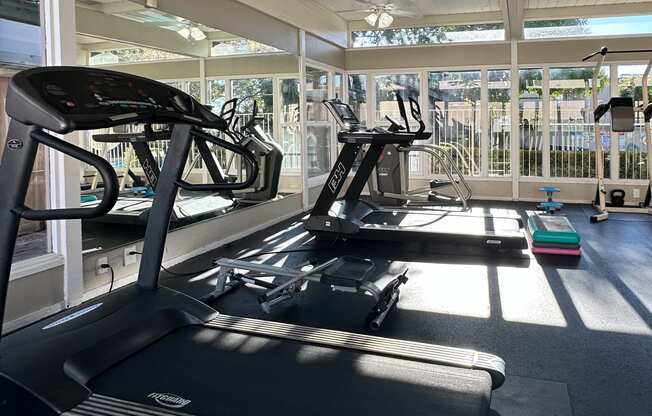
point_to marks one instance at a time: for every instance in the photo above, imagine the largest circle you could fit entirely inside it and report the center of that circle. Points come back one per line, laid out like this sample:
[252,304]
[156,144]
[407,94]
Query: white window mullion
[545,159]
[516,136]
[484,123]
[614,148]
[371,98]
[424,102]
[61,49]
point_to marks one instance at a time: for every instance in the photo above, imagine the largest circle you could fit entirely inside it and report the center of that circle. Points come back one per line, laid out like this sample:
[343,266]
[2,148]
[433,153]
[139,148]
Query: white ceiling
[425,7]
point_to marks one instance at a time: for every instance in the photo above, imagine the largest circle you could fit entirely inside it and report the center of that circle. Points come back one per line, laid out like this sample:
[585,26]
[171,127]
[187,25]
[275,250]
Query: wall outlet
[98,267]
[636,193]
[130,258]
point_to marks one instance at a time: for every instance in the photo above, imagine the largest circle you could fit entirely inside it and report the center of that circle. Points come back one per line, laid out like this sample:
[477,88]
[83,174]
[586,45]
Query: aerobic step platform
[552,230]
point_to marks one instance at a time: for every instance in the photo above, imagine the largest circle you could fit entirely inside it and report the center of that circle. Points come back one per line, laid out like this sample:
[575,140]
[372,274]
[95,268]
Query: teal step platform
[552,230]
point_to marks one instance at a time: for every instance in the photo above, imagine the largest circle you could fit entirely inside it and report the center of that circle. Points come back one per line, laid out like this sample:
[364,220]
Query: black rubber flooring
[585,323]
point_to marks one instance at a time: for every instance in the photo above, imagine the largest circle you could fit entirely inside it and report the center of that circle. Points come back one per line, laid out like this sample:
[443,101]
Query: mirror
[253,84]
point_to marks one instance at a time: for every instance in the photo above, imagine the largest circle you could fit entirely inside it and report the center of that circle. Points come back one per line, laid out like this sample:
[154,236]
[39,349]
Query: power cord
[108,266]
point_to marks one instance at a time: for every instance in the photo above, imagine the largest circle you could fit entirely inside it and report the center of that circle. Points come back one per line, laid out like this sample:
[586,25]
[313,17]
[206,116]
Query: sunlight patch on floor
[526,297]
[451,289]
[600,305]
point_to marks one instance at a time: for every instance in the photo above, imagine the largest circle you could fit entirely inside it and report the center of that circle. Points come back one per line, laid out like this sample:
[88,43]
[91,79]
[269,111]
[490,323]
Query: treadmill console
[353,132]
[63,99]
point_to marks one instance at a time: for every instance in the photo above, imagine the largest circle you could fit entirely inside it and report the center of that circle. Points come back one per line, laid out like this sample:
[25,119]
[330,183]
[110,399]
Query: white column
[302,118]
[515,134]
[58,22]
[545,160]
[203,98]
[484,123]
[614,148]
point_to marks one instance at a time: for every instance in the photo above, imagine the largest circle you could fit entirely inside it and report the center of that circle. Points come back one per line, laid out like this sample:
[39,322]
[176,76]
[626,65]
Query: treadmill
[351,217]
[188,208]
[146,350]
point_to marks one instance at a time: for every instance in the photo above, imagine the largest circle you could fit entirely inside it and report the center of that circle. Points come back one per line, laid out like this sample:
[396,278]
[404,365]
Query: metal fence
[116,153]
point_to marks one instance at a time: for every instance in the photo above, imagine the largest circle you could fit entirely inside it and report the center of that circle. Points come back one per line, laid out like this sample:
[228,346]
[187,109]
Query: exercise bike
[391,182]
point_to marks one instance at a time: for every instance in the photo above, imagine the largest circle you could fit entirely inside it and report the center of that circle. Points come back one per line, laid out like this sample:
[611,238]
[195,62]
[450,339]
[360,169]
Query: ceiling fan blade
[356,11]
[407,13]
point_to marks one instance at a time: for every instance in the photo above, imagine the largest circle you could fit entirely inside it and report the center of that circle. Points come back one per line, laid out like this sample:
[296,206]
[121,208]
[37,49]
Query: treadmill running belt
[443,223]
[206,371]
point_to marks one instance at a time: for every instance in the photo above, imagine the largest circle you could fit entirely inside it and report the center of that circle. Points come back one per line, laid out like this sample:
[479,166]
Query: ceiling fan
[382,14]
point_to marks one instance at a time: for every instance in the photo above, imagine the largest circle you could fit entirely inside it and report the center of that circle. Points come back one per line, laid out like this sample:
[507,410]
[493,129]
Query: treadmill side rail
[416,351]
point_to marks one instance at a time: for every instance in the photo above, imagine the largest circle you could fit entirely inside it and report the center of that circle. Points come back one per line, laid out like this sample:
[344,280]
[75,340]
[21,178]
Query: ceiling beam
[116,29]
[308,15]
[513,12]
[611,10]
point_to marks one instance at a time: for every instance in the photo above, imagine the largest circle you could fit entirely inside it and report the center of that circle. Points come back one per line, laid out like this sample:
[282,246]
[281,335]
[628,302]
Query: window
[262,91]
[530,106]
[129,55]
[454,98]
[240,47]
[500,122]
[20,47]
[633,155]
[582,27]
[358,96]
[192,88]
[318,127]
[20,43]
[290,128]
[387,86]
[216,94]
[428,35]
[572,136]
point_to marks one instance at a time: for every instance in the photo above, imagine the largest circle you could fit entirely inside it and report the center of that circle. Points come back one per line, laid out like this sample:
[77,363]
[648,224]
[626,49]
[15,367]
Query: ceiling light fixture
[191,33]
[379,19]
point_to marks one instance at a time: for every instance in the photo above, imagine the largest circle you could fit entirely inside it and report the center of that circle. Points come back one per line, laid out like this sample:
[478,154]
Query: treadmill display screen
[345,113]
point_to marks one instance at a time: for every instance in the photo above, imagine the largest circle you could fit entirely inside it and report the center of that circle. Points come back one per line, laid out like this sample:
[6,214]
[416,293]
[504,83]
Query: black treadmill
[188,207]
[146,350]
[351,217]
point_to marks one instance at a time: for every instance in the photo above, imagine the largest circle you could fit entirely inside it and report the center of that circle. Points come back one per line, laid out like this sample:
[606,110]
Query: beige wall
[325,52]
[188,68]
[251,65]
[237,18]
[573,50]
[34,293]
[215,67]
[428,56]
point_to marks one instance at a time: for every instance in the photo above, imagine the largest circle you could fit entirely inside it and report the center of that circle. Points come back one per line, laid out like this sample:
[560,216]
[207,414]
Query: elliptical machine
[391,182]
[252,137]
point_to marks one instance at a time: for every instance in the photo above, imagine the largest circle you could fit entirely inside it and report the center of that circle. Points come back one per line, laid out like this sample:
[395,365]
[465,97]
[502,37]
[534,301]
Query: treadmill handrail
[109,178]
[235,148]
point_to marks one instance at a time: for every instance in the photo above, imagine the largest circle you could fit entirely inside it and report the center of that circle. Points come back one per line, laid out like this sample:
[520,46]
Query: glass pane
[338,86]
[130,55]
[454,99]
[290,128]
[20,48]
[583,27]
[216,94]
[316,92]
[240,47]
[428,35]
[318,126]
[259,90]
[530,106]
[572,135]
[500,122]
[358,96]
[386,88]
[633,146]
